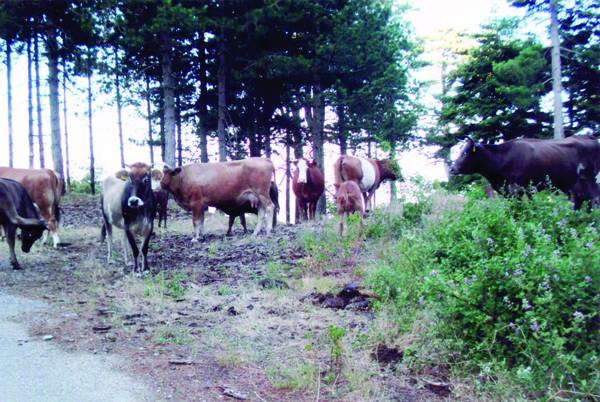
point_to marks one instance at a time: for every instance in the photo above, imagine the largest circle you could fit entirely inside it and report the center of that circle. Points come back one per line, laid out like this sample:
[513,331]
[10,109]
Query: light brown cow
[349,200]
[223,185]
[45,188]
[367,173]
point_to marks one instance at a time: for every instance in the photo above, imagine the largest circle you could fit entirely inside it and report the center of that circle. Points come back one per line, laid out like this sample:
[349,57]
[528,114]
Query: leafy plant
[336,350]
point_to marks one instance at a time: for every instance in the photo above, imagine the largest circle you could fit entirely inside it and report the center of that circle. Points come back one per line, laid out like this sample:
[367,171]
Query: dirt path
[33,369]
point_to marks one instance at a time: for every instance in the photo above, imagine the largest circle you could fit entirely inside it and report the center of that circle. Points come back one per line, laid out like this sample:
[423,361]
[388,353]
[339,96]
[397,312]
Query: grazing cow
[349,200]
[162,201]
[572,165]
[223,185]
[128,203]
[367,173]
[45,187]
[249,208]
[308,184]
[17,211]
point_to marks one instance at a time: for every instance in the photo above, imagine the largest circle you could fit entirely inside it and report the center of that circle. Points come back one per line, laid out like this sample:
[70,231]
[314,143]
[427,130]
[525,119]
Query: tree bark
[55,138]
[40,131]
[342,136]
[9,97]
[221,125]
[149,111]
[169,101]
[556,73]
[315,115]
[30,103]
[119,108]
[91,133]
[202,104]
[67,161]
[288,140]
[178,124]
[393,195]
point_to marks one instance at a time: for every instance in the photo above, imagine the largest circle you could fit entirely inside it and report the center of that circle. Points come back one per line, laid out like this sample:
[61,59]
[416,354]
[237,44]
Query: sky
[427,16]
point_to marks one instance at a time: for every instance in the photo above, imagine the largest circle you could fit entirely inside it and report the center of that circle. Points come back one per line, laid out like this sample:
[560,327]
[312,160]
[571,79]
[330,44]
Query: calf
[223,185]
[162,201]
[308,184]
[571,165]
[45,187]
[128,203]
[17,211]
[348,200]
[367,173]
[251,208]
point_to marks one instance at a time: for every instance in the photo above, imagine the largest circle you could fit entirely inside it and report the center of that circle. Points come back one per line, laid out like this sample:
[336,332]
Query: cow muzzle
[135,202]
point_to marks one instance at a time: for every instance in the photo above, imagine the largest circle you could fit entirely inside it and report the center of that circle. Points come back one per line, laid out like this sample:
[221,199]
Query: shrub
[518,282]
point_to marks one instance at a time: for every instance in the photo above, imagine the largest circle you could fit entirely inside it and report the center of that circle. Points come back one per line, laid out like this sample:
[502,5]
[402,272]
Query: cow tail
[57,212]
[337,172]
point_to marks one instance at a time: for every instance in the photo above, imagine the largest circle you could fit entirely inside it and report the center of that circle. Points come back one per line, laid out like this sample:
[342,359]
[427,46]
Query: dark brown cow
[572,165]
[17,211]
[250,208]
[308,184]
[45,188]
[367,173]
[349,200]
[161,197]
[223,185]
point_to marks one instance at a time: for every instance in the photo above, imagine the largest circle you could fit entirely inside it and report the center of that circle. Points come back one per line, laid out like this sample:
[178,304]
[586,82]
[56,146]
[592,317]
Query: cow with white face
[128,203]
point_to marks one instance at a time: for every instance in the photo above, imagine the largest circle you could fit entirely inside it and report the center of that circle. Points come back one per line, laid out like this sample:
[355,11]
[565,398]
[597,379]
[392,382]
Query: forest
[454,294]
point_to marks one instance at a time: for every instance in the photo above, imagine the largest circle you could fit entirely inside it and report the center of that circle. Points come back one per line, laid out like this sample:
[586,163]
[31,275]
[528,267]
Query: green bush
[517,282]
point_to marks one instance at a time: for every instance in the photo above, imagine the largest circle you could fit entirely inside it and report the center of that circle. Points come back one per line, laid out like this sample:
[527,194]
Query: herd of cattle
[29,198]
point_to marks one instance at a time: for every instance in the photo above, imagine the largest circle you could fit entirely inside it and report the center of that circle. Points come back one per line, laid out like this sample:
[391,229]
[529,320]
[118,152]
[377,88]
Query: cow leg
[11,232]
[145,245]
[109,239]
[134,249]
[55,239]
[243,223]
[198,221]
[259,223]
[270,210]
[124,242]
[231,222]
[341,224]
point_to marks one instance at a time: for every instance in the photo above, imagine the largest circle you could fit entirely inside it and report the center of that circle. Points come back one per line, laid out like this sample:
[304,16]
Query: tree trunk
[169,102]
[178,124]
[91,133]
[342,136]
[55,138]
[36,63]
[393,194]
[30,103]
[149,111]
[315,115]
[297,134]
[119,108]
[203,112]
[222,135]
[9,97]
[556,73]
[288,139]
[67,161]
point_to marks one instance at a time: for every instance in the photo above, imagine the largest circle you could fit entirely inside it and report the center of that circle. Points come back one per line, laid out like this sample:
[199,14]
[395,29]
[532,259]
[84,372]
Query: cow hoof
[194,240]
[16,266]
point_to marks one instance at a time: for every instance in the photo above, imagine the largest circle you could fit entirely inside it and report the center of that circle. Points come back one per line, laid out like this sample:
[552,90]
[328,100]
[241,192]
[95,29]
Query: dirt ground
[224,319]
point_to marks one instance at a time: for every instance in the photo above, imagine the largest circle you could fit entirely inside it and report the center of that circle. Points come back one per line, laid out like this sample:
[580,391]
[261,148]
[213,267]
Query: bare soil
[224,319]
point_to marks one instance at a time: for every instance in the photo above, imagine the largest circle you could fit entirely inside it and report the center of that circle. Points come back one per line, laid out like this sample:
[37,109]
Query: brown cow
[308,184]
[223,185]
[45,188]
[367,173]
[349,200]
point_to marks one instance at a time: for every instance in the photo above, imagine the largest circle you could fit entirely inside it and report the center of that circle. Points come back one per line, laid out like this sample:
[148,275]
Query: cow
[367,173]
[349,200]
[248,208]
[128,203]
[45,187]
[17,211]
[162,202]
[223,185]
[308,184]
[571,165]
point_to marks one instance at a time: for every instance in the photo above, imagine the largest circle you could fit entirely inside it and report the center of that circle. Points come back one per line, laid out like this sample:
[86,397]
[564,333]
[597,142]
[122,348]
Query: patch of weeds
[301,376]
[336,351]
[224,291]
[211,250]
[160,286]
[172,335]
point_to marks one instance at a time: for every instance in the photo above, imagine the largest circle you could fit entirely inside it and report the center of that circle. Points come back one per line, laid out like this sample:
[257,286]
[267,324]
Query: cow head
[30,233]
[138,178]
[389,170]
[170,178]
[466,161]
[302,165]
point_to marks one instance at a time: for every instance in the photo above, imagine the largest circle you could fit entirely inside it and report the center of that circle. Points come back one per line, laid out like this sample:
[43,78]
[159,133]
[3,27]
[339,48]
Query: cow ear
[470,140]
[175,171]
[122,175]
[157,174]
